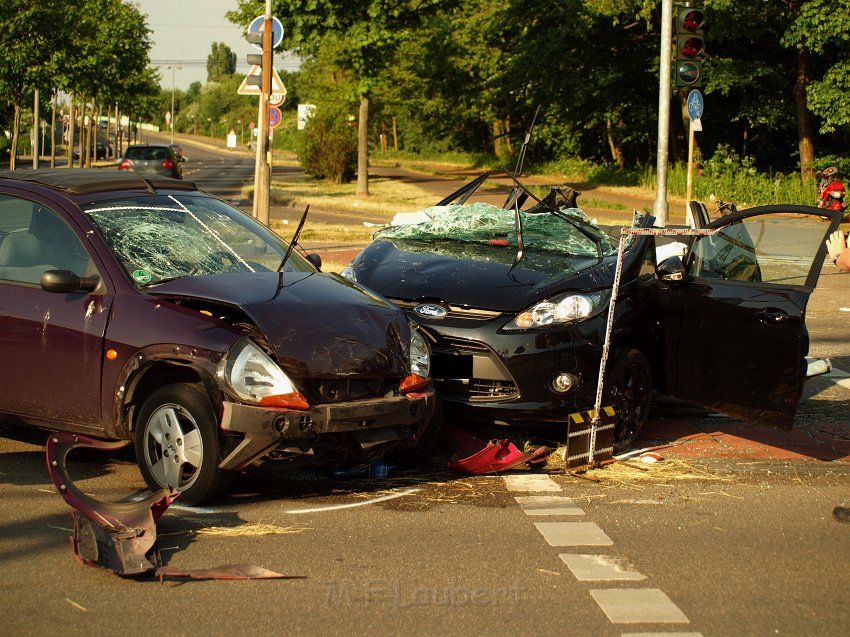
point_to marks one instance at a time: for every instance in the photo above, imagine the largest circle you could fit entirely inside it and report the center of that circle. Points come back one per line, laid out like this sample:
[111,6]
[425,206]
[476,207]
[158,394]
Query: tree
[221,62]
[365,34]
[32,37]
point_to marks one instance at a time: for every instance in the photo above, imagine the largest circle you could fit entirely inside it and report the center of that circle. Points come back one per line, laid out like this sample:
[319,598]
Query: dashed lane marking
[531,482]
[548,505]
[599,568]
[661,635]
[573,534]
[638,606]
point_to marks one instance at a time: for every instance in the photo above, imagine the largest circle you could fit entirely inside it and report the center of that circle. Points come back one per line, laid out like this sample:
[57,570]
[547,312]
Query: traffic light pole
[661,209]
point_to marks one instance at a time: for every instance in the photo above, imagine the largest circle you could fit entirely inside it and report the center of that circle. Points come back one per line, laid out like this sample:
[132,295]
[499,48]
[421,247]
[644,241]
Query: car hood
[318,325]
[475,275]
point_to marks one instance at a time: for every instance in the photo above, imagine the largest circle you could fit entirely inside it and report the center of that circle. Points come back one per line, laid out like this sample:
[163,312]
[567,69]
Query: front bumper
[372,422]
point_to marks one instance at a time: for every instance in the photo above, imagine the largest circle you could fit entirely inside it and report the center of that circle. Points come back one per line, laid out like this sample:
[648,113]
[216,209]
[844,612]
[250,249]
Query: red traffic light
[691,19]
[691,47]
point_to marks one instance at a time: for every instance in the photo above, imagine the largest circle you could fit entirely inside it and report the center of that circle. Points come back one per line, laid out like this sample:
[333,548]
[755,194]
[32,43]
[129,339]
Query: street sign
[695,104]
[277,30]
[277,99]
[250,89]
[274,116]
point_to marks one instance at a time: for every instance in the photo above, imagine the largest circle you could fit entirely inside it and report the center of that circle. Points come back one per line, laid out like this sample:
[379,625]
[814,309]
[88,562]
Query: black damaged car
[515,303]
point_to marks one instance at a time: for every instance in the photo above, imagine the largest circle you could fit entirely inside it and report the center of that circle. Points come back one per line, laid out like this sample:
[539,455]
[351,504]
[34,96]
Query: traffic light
[690,47]
[255,59]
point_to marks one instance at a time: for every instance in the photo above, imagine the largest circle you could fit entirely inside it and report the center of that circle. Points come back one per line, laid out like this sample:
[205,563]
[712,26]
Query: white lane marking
[548,505]
[351,505]
[638,606]
[599,568]
[530,482]
[573,534]
[661,635]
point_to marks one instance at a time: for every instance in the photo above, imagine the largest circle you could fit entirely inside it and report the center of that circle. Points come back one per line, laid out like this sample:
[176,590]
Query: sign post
[695,110]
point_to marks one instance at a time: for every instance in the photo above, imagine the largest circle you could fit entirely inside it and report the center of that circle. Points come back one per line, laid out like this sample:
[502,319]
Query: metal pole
[263,184]
[173,68]
[36,150]
[661,209]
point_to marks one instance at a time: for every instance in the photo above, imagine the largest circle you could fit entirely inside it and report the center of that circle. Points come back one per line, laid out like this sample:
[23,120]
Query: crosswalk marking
[638,606]
[573,534]
[530,482]
[548,505]
[598,568]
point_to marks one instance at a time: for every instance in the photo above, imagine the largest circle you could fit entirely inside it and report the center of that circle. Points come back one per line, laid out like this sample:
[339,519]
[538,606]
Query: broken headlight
[252,376]
[420,363]
[563,309]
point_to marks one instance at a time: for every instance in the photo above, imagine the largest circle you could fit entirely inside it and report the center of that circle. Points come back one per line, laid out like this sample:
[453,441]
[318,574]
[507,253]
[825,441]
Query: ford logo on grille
[430,311]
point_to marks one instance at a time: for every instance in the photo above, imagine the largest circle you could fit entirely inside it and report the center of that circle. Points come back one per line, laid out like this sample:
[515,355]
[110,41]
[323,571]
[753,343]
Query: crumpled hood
[474,275]
[318,325]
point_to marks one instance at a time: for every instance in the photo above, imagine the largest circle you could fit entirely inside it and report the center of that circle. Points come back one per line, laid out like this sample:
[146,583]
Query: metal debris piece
[226,572]
[119,536]
[477,457]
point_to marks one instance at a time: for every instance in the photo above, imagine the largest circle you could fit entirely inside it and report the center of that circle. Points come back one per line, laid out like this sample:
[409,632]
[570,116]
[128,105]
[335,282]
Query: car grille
[481,374]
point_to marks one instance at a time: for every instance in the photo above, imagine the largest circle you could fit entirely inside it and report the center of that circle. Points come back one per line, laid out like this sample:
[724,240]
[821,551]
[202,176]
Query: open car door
[734,324]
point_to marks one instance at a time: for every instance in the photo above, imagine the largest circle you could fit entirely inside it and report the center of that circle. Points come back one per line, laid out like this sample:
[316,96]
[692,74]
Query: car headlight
[420,363]
[566,309]
[250,375]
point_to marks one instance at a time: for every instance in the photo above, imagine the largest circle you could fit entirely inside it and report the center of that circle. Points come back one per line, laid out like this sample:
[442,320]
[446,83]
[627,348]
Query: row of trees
[97,51]
[469,75]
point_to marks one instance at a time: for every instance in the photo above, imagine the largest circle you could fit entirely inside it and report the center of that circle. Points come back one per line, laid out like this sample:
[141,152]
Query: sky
[183,34]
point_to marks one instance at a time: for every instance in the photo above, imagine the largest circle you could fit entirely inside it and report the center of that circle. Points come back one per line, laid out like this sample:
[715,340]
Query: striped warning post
[590,437]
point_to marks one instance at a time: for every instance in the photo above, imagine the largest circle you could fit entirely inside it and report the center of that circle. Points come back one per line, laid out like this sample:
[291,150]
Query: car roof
[85,181]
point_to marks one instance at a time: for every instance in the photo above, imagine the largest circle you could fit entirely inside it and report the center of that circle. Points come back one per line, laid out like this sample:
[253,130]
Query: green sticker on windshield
[140,276]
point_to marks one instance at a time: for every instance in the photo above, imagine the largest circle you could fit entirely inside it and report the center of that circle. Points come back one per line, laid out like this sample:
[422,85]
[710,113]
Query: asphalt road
[743,544]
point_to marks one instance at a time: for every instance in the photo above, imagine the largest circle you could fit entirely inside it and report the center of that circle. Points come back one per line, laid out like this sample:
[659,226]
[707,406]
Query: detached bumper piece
[118,536]
[121,536]
[477,457]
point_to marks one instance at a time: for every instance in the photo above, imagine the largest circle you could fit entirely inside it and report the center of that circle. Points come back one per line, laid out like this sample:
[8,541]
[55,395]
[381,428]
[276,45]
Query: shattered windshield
[162,237]
[484,223]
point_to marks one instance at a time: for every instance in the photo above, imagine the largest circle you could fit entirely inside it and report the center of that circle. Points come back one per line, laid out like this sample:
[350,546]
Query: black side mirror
[671,270]
[315,259]
[65,282]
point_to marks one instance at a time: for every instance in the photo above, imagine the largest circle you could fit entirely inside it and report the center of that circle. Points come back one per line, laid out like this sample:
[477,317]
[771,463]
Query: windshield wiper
[294,239]
[512,197]
[596,239]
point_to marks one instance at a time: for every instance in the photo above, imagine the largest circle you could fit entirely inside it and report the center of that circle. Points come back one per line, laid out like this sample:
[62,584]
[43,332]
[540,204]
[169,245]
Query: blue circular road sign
[695,104]
[257,26]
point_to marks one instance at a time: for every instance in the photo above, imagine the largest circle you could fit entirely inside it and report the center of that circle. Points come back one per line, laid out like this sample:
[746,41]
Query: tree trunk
[497,138]
[16,132]
[53,130]
[616,148]
[805,125]
[72,124]
[363,147]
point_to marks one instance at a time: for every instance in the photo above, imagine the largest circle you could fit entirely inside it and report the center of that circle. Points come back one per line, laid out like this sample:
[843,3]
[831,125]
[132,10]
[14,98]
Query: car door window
[34,239]
[766,248]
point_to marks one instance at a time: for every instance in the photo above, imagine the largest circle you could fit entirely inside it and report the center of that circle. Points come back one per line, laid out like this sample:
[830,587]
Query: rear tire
[629,390]
[179,445]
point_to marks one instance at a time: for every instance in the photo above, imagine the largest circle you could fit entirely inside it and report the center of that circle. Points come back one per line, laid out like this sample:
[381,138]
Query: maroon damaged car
[146,310]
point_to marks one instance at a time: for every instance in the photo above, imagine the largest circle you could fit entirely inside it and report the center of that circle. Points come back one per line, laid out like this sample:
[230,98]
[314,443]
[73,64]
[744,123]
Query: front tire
[178,444]
[630,393]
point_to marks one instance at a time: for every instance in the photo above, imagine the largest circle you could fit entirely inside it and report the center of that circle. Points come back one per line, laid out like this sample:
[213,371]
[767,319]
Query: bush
[328,148]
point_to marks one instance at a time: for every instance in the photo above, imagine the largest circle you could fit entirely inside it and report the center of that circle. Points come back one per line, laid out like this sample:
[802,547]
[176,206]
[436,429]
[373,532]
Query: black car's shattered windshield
[158,238]
[487,224]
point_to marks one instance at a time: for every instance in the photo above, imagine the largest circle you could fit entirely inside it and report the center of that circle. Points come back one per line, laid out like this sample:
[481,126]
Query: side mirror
[671,270]
[315,259]
[66,282]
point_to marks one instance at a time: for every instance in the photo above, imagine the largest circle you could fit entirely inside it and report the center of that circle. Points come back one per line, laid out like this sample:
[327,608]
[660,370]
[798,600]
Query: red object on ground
[477,457]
